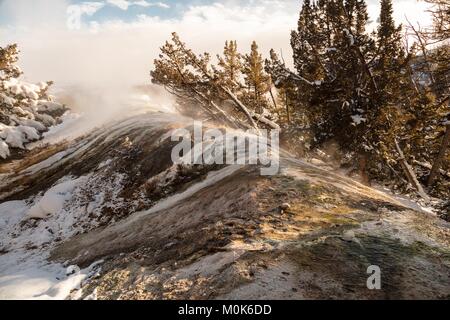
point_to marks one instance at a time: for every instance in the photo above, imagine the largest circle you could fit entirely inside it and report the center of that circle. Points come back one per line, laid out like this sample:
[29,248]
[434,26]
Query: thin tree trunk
[241,106]
[423,48]
[273,99]
[435,170]
[250,115]
[429,166]
[287,109]
[366,68]
[266,121]
[409,172]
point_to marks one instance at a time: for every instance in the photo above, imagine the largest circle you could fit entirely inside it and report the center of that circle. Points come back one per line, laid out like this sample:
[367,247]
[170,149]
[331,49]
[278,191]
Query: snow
[8,100]
[30,133]
[350,37]
[17,136]
[49,106]
[25,272]
[53,200]
[27,116]
[12,136]
[357,120]
[68,128]
[32,123]
[74,278]
[18,87]
[46,119]
[11,213]
[37,281]
[4,149]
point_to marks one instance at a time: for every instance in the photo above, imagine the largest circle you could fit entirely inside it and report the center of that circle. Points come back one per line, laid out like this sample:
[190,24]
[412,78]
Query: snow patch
[53,200]
[4,149]
[357,120]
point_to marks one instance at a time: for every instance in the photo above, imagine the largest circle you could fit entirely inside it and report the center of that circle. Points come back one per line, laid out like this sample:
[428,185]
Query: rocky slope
[109,217]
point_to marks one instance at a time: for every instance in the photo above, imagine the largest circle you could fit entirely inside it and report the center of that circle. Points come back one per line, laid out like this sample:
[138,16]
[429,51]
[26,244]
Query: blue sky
[127,11]
[162,9]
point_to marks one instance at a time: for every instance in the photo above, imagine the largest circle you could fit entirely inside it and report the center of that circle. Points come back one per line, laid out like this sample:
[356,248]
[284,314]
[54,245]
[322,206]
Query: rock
[285,206]
[72,270]
[349,236]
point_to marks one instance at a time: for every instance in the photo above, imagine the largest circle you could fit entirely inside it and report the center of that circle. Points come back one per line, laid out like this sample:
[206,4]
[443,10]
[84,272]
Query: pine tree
[441,86]
[362,16]
[231,65]
[26,109]
[194,80]
[389,41]
[8,58]
[256,80]
[441,19]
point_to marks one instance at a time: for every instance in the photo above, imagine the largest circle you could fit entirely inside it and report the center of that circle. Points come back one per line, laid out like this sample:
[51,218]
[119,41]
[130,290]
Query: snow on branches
[26,109]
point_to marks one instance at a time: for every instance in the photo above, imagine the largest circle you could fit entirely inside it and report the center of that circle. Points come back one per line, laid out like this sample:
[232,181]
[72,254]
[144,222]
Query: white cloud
[122,53]
[88,8]
[24,14]
[77,11]
[122,4]
[125,4]
[146,4]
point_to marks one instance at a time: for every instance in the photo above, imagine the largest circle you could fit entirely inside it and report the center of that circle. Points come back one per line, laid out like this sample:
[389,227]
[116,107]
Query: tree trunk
[409,172]
[363,170]
[435,170]
[274,101]
[429,166]
[241,106]
[287,109]
[266,121]
[250,115]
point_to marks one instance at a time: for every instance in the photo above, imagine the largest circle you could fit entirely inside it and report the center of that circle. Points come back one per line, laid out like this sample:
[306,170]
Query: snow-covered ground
[24,271]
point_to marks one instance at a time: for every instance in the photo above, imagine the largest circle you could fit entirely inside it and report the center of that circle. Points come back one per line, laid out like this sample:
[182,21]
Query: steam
[98,67]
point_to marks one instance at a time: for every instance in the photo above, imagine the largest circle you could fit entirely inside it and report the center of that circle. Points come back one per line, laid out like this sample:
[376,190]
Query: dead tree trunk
[274,101]
[435,170]
[429,166]
[409,172]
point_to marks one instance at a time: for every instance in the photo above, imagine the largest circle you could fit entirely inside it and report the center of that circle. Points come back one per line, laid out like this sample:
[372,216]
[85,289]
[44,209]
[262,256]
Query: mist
[97,67]
[100,64]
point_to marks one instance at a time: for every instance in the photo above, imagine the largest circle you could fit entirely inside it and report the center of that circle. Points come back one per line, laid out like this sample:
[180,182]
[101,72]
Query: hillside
[109,217]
